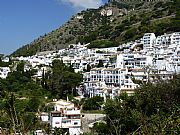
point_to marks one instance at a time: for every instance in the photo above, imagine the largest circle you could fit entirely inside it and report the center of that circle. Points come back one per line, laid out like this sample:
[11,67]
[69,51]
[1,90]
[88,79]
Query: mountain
[116,22]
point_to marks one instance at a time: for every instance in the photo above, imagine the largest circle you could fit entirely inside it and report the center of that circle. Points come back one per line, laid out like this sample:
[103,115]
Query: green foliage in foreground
[20,100]
[19,115]
[154,109]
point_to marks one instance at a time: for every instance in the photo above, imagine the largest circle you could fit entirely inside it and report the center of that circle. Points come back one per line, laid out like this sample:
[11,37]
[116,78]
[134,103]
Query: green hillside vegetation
[137,18]
[103,44]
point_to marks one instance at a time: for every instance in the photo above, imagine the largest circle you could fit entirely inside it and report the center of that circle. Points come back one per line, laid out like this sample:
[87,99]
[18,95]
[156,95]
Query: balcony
[72,112]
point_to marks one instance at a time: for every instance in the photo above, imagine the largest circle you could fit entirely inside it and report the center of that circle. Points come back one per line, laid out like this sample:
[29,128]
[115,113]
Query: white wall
[56,122]
[74,131]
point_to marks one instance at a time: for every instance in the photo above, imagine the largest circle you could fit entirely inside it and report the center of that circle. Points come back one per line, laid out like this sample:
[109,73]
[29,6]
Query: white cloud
[83,4]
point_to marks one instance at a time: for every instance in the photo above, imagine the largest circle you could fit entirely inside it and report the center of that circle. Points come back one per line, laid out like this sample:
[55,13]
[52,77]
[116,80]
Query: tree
[20,66]
[93,103]
[63,80]
[101,127]
[9,108]
[120,117]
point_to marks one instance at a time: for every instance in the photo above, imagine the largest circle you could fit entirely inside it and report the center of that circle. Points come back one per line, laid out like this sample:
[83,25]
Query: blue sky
[22,21]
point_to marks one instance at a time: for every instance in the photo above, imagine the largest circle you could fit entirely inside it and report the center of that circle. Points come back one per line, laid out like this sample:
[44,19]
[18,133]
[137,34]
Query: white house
[66,116]
[44,117]
[133,60]
[4,72]
[148,41]
[5,59]
[175,38]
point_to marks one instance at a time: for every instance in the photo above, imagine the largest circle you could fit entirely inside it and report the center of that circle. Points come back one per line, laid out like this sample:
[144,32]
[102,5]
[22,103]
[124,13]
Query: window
[74,117]
[75,123]
[56,114]
[57,123]
[66,121]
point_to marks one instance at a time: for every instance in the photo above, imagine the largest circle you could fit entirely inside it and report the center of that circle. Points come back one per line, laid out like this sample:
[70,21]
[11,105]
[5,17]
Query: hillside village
[107,72]
[110,71]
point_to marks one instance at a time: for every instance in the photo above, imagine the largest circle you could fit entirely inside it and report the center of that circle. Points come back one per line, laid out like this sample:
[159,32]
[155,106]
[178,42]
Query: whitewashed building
[135,60]
[112,81]
[66,116]
[4,72]
[148,41]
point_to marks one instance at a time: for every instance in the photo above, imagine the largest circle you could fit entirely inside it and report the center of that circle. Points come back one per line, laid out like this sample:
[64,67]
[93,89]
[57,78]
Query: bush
[102,44]
[93,103]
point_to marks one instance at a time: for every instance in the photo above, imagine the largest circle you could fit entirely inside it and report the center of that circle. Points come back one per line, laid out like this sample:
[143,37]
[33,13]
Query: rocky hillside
[112,24]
